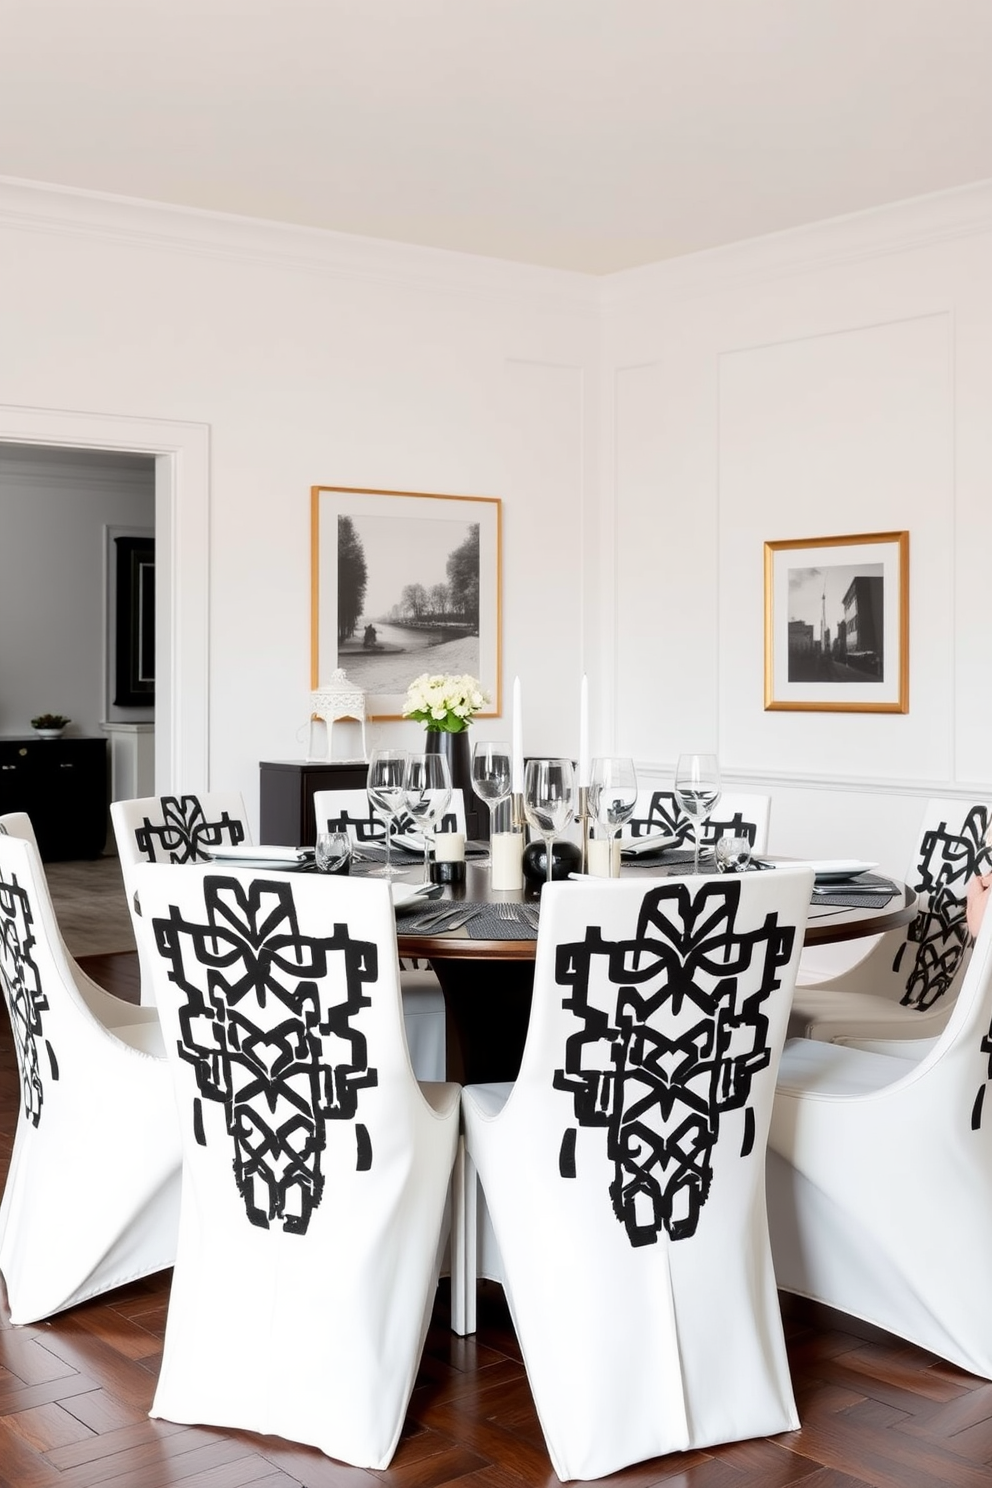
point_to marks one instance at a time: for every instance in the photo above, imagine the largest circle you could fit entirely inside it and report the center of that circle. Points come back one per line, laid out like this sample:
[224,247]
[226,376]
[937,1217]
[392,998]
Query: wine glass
[549,805]
[491,776]
[426,792]
[387,768]
[697,790]
[612,794]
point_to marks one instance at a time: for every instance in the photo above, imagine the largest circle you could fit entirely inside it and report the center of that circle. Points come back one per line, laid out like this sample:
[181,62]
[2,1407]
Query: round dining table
[488,982]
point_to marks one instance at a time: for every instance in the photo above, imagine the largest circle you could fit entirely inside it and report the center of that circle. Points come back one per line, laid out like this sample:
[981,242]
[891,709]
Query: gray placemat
[485,924]
[870,892]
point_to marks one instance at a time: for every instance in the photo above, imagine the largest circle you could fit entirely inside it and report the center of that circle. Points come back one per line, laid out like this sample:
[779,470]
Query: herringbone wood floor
[75,1392]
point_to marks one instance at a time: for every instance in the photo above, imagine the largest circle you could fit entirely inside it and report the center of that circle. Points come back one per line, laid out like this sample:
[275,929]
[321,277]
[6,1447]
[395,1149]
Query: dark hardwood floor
[75,1393]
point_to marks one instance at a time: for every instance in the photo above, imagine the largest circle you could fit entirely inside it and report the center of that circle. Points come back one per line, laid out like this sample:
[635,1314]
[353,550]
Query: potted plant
[49,725]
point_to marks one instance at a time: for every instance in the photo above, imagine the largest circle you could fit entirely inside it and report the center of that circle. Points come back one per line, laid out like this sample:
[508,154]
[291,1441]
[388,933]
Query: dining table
[486,965]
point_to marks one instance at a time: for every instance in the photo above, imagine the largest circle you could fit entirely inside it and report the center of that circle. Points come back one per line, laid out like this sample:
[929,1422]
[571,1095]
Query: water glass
[332,852]
[732,854]
[549,800]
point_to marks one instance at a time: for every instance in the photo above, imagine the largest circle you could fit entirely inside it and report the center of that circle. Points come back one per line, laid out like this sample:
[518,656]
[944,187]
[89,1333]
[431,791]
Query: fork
[506,910]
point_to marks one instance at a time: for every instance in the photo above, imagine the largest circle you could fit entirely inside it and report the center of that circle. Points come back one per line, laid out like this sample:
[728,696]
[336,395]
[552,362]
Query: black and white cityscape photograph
[836,623]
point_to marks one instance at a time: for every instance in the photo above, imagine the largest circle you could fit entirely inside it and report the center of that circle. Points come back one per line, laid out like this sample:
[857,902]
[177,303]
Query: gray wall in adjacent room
[55,508]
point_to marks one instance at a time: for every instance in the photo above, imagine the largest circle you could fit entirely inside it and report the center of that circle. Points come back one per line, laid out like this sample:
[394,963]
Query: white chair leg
[464,1188]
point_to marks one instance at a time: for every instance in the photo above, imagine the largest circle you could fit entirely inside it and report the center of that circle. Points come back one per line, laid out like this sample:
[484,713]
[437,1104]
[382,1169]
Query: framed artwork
[837,624]
[134,619]
[404,582]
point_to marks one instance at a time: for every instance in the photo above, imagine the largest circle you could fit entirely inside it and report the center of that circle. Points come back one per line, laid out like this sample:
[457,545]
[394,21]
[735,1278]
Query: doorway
[181,455]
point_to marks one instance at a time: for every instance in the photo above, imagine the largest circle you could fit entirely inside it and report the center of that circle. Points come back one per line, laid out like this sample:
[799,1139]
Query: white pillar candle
[449,847]
[584,731]
[517,774]
[604,857]
[507,852]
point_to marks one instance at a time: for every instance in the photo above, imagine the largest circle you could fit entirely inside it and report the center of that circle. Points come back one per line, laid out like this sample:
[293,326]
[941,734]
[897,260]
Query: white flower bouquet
[444,705]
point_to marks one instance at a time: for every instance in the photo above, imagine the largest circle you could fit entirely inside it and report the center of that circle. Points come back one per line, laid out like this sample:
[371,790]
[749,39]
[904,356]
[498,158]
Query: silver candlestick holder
[583,820]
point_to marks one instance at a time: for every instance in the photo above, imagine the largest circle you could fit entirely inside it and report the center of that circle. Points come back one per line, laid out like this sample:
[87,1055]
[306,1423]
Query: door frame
[182,559]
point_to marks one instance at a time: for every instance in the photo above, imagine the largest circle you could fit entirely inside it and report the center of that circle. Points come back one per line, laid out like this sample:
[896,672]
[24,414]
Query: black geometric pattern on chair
[26,1002]
[668,1043]
[666,816]
[372,828]
[261,1044]
[948,859]
[185,835]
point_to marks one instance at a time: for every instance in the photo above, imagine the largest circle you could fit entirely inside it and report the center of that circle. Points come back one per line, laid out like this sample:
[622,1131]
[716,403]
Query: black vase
[457,751]
[566,858]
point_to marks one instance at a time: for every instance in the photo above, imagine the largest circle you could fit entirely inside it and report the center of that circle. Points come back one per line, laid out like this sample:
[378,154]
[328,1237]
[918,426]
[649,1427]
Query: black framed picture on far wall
[134,628]
[837,624]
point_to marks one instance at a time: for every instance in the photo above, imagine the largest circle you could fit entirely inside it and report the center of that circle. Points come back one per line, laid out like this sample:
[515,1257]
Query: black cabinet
[63,786]
[286,790]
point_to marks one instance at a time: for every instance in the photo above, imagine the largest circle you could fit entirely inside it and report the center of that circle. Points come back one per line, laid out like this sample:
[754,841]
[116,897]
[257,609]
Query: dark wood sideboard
[286,790]
[63,785]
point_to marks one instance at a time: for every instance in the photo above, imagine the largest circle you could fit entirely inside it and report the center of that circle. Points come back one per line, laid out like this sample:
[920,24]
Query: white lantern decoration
[339,699]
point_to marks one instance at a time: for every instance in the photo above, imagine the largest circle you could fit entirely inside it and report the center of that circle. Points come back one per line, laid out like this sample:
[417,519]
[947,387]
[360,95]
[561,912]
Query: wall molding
[63,211]
[662,774]
[903,227]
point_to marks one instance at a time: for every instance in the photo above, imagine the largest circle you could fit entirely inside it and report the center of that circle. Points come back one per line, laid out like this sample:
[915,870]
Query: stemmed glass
[426,792]
[549,799]
[612,794]
[491,777]
[387,768]
[697,790]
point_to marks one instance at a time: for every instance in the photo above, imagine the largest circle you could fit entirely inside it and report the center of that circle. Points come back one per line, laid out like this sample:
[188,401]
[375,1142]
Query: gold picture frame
[404,582]
[837,624]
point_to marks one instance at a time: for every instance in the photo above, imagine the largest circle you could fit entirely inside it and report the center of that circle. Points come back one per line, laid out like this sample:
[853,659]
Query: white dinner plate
[634,846]
[831,870]
[408,896]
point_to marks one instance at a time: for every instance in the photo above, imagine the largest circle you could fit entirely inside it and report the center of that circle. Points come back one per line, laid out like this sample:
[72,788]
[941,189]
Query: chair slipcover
[905,984]
[624,1168]
[423,1001]
[92,1194]
[315,1168]
[174,829]
[351,811]
[109,1009]
[880,1177]
[735,815]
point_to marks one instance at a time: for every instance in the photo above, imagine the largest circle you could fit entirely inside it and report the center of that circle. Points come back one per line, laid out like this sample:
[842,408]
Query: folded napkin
[636,847]
[259,853]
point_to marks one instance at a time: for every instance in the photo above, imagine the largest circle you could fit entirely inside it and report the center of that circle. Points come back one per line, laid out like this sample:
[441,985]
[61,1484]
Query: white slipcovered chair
[905,984]
[174,829]
[880,1177]
[351,811]
[735,814]
[624,1168]
[92,1195]
[102,1004]
[423,1001]
[315,1168]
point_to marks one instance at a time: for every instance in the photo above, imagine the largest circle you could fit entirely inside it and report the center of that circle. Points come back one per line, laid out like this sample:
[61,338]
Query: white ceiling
[593,135]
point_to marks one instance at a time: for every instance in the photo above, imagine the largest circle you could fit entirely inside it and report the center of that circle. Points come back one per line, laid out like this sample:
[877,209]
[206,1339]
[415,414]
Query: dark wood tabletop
[826,923]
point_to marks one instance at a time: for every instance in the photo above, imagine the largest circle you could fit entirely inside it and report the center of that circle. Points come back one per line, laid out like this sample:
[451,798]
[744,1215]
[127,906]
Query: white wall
[647,434]
[320,360]
[830,381]
[55,507]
